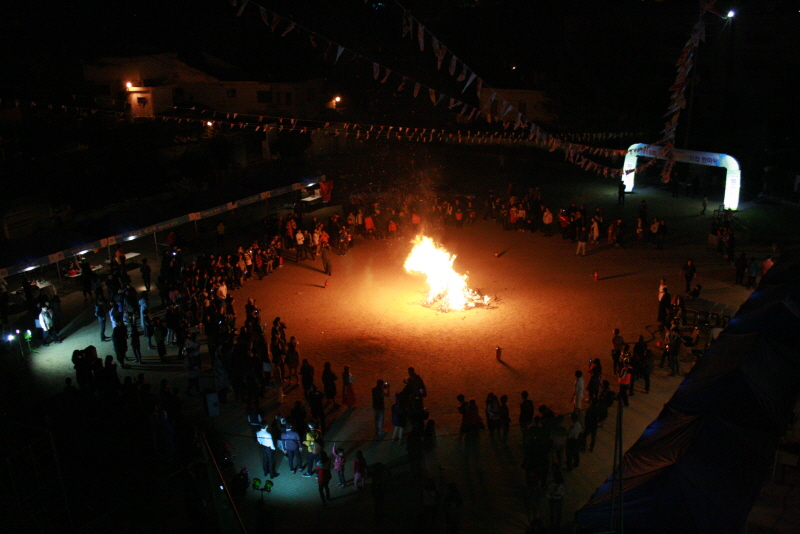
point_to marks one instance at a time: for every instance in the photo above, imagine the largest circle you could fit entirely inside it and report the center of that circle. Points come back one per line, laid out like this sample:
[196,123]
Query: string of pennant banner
[381,73]
[574,153]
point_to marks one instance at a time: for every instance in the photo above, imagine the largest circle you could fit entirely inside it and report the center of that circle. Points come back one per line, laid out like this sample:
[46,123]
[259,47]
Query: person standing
[221,233]
[689,273]
[339,462]
[741,267]
[642,368]
[146,271]
[578,391]
[300,241]
[267,443]
[621,193]
[323,466]
[526,409]
[348,393]
[752,273]
[617,344]
[325,253]
[101,312]
[379,393]
[329,384]
[47,322]
[359,470]
[705,204]
[591,421]
[120,338]
[573,442]
[624,379]
[314,445]
[547,222]
[555,496]
[160,335]
[136,344]
[583,238]
[398,418]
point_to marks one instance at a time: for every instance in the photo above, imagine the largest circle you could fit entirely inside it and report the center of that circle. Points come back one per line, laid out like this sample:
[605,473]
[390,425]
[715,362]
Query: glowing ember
[448,289]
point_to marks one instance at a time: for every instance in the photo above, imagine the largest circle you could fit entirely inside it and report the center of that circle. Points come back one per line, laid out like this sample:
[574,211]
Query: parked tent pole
[155,239]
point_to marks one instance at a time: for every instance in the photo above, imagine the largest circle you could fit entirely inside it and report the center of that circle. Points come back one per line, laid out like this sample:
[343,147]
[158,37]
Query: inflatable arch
[733,176]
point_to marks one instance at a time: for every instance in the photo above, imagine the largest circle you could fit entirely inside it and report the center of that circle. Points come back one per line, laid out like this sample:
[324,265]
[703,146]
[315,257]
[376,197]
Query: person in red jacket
[324,477]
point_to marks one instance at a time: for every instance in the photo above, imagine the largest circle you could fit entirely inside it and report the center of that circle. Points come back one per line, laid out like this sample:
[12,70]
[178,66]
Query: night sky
[607,64]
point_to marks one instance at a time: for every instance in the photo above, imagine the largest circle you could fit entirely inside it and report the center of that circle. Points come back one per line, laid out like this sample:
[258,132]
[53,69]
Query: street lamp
[128,85]
[731,14]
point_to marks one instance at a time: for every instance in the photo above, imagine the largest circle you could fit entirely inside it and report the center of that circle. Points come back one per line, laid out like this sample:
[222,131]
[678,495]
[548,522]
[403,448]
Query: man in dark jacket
[291,446]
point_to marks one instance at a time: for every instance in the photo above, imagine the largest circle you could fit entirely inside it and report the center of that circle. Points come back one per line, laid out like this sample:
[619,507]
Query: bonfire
[448,289]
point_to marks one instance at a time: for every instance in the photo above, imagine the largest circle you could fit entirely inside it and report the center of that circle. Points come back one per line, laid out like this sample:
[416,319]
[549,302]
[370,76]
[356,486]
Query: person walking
[290,444]
[267,444]
[379,393]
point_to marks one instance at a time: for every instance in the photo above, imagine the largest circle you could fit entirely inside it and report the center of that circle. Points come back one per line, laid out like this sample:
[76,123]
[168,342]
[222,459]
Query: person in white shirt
[301,249]
[267,444]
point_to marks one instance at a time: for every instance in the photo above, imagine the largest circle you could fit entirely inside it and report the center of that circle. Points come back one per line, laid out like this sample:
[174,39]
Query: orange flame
[448,289]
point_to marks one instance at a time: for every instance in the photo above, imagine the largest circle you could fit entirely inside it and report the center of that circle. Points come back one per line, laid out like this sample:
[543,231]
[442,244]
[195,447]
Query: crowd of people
[254,361]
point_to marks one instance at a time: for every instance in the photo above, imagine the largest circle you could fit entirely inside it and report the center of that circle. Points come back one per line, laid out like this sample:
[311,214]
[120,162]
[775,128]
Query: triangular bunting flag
[241,9]
[471,77]
[421,37]
[416,89]
[338,53]
[402,85]
[453,66]
[275,20]
[376,70]
[264,15]
[463,75]
[388,71]
[290,28]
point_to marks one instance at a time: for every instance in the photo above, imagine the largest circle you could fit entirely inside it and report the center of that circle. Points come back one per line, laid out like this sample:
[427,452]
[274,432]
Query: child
[338,464]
